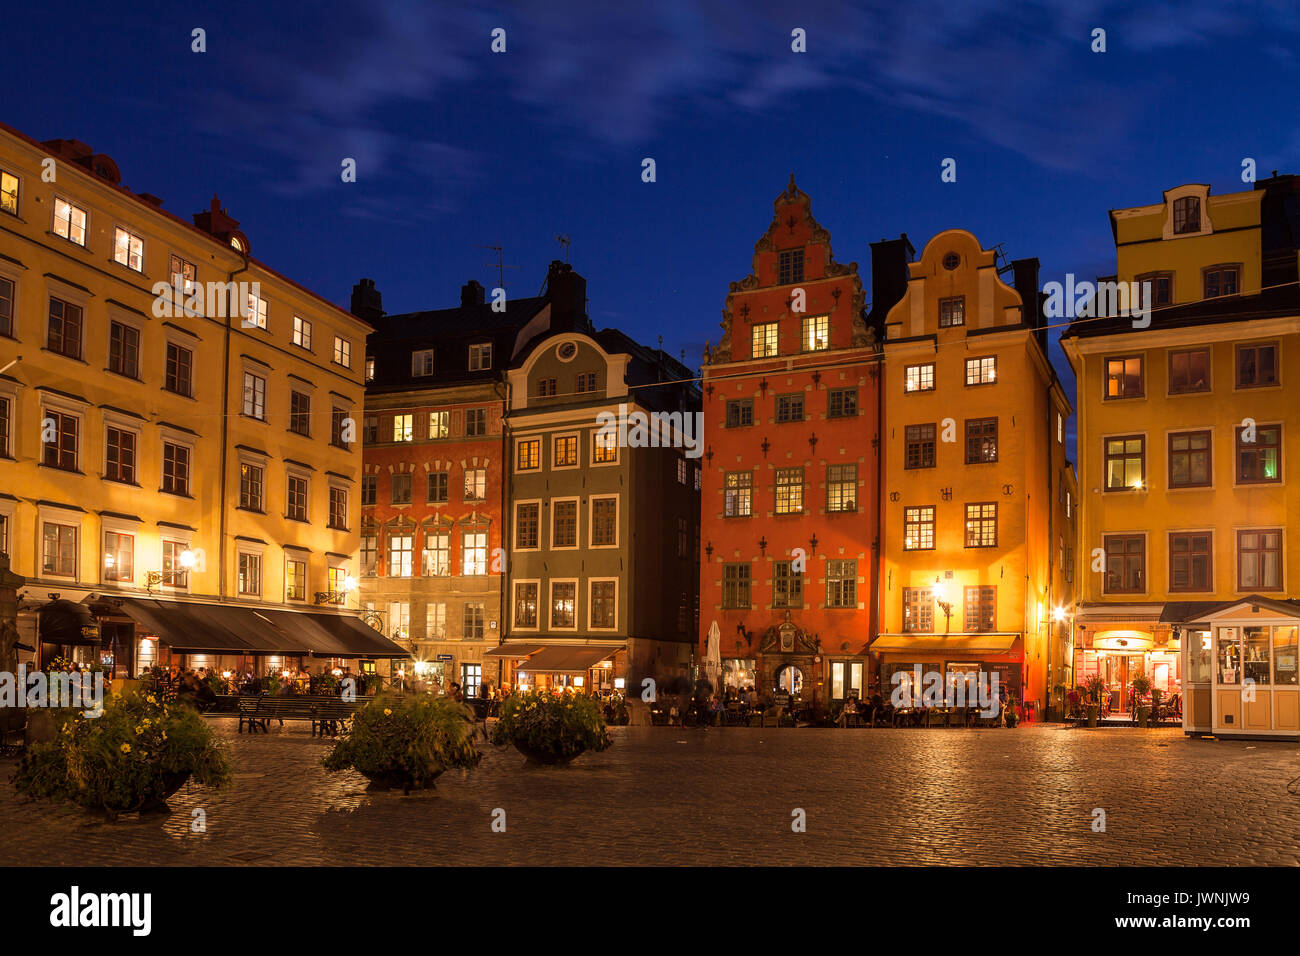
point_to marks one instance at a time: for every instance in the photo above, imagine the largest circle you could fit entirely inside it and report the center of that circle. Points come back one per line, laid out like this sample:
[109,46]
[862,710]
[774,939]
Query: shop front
[234,640]
[963,660]
[1243,678]
[1120,655]
[593,667]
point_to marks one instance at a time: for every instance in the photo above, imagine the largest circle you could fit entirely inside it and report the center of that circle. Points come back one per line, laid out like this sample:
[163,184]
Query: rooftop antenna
[499,265]
[1001,257]
[564,241]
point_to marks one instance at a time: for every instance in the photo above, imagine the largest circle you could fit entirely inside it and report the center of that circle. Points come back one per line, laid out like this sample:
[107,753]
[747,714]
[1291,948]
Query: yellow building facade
[978,495]
[1187,557]
[177,436]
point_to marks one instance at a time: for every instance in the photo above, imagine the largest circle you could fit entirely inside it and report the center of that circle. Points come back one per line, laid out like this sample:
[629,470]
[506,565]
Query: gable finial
[792,187]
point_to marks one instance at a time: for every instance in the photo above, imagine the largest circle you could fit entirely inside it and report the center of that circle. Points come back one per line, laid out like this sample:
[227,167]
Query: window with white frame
[255,396]
[343,353]
[765,339]
[439,424]
[59,549]
[250,574]
[301,332]
[816,333]
[128,249]
[437,554]
[399,555]
[404,427]
[421,363]
[435,621]
[8,193]
[982,371]
[255,311]
[69,221]
[473,551]
[480,357]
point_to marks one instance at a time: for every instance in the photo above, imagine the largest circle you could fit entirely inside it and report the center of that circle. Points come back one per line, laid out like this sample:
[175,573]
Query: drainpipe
[874,618]
[507,484]
[225,433]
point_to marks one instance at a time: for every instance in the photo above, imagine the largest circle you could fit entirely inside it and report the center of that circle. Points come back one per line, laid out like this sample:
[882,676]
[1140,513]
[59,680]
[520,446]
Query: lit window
[301,332]
[918,378]
[404,427]
[69,221]
[765,339]
[128,250]
[255,312]
[982,371]
[343,352]
[816,333]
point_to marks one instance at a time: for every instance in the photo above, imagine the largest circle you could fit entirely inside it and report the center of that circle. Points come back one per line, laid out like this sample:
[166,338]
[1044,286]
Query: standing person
[456,695]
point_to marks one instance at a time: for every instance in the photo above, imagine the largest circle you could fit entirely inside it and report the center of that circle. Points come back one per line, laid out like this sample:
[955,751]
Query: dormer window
[237,244]
[480,357]
[422,363]
[1187,215]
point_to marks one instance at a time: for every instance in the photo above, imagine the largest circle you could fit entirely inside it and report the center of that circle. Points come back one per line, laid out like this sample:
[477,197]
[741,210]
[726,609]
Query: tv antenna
[564,241]
[499,265]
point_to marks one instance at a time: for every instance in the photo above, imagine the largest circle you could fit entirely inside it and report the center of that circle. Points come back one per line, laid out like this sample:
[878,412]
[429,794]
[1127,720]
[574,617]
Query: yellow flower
[388,712]
[152,699]
[126,748]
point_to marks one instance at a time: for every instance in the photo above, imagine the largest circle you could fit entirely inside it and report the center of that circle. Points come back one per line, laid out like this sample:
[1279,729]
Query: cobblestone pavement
[668,796]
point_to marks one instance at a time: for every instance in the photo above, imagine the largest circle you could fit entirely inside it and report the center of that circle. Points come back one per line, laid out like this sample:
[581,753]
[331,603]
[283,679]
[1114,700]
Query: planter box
[547,757]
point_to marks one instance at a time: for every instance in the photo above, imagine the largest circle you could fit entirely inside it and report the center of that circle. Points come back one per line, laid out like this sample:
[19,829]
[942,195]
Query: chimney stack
[567,292]
[889,276]
[367,302]
[1026,283]
[472,293]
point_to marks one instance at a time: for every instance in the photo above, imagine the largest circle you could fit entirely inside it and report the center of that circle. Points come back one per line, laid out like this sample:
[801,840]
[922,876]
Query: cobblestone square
[670,796]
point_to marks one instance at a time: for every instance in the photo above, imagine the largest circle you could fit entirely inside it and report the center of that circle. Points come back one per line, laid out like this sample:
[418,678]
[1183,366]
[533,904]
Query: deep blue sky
[459,148]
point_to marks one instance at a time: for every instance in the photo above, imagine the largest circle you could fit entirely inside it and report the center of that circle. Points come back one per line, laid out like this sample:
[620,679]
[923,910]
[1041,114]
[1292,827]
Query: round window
[951,261]
[566,351]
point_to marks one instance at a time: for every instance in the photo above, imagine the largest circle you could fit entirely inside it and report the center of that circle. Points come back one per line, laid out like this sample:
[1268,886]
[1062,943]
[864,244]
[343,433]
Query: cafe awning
[65,622]
[513,651]
[191,627]
[957,644]
[559,659]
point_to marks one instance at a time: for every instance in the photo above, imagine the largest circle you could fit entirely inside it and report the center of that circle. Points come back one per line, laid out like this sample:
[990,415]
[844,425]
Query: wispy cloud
[618,74]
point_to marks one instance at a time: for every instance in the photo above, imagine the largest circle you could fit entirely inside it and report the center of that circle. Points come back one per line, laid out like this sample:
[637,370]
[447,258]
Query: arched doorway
[790,680]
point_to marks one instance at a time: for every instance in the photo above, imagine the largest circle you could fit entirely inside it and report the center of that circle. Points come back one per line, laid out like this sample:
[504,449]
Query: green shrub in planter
[551,728]
[406,742]
[133,756]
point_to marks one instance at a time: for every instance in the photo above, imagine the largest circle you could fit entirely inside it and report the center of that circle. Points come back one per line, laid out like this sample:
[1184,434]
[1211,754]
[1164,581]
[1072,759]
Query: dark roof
[1187,612]
[449,332]
[1276,302]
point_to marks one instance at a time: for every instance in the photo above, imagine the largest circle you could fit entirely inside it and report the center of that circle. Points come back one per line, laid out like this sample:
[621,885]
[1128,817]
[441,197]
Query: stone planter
[171,783]
[397,780]
[547,758]
[1093,711]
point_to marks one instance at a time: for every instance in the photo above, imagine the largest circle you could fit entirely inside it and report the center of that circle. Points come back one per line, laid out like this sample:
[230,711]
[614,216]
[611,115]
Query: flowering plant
[133,756]
[406,742]
[559,727]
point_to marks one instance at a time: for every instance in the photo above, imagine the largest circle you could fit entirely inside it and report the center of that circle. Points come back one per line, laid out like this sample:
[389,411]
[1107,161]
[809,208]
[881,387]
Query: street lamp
[945,605]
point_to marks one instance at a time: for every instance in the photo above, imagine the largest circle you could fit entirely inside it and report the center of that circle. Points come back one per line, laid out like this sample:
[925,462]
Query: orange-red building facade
[788,508]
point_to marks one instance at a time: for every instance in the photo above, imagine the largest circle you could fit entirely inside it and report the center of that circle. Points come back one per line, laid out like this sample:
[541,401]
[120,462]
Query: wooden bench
[325,713]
